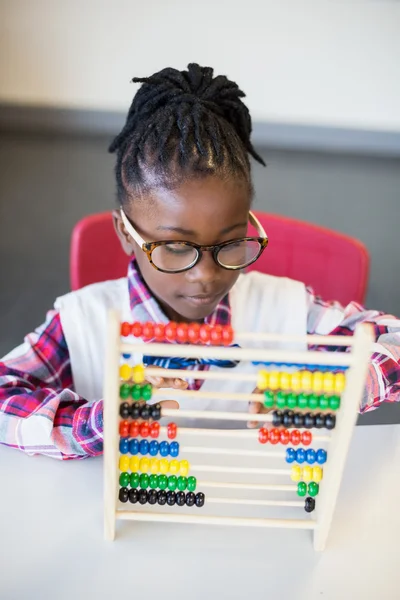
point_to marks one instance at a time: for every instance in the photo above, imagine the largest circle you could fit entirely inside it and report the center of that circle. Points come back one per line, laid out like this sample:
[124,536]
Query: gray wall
[47,182]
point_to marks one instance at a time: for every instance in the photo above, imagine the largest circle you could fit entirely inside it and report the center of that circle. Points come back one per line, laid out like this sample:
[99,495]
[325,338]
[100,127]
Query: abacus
[286,473]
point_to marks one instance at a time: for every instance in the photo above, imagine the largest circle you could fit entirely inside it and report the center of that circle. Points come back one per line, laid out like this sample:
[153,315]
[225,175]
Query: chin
[194,313]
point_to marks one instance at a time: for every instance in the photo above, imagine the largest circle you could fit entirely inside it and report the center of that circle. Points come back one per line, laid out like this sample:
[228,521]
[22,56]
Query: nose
[206,271]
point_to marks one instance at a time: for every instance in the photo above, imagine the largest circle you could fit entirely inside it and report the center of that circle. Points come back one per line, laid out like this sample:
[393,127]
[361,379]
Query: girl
[184,189]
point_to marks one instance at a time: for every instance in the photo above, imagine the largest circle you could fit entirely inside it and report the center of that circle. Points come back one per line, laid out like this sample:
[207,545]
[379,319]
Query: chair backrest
[335,265]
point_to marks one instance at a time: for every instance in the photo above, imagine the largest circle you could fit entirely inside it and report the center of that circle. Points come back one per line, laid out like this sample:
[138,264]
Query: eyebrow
[183,231]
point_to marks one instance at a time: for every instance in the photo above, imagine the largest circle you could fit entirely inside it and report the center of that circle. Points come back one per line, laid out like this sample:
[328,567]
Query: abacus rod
[270,487]
[204,414]
[213,520]
[310,340]
[240,433]
[249,502]
[242,470]
[231,452]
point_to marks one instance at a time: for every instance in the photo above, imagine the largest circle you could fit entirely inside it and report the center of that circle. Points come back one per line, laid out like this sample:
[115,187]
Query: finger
[156,381]
[254,408]
[169,404]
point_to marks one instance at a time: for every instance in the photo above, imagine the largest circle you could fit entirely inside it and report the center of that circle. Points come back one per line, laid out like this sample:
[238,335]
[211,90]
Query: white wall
[330,62]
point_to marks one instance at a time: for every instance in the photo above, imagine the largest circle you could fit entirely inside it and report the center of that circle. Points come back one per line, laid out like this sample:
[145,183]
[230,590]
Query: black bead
[145,411]
[309,504]
[309,421]
[277,418]
[124,410]
[142,496]
[162,497]
[155,411]
[135,411]
[319,420]
[190,499]
[200,498]
[180,498]
[288,416]
[171,498]
[152,496]
[123,494]
[330,421]
[133,495]
[298,420]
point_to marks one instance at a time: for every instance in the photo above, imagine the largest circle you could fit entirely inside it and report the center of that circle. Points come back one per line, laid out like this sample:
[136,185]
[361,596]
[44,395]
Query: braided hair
[181,124]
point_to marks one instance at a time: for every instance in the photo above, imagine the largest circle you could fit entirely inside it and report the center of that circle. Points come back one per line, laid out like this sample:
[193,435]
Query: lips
[202,299]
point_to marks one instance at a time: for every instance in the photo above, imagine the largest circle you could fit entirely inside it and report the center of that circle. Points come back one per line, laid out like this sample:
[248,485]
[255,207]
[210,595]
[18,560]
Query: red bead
[216,335]
[154,430]
[205,331]
[274,436]
[144,430]
[124,429]
[193,333]
[148,330]
[172,431]
[159,332]
[125,329]
[295,437]
[136,329]
[284,436]
[263,435]
[306,438]
[134,429]
[227,335]
[182,332]
[170,331]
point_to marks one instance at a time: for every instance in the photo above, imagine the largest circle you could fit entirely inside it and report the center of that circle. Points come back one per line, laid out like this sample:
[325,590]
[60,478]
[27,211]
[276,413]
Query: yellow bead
[317,381]
[295,381]
[317,473]
[262,380]
[285,380]
[125,372]
[144,464]
[306,380]
[274,380]
[295,474]
[174,466]
[184,468]
[138,374]
[134,464]
[329,382]
[154,465]
[164,465]
[307,474]
[123,463]
[340,382]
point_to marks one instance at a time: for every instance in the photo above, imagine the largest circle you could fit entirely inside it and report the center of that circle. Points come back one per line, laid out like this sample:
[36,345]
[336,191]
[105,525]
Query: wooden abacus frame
[356,361]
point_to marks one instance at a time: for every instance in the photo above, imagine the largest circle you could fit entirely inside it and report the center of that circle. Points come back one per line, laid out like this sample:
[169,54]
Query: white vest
[258,302]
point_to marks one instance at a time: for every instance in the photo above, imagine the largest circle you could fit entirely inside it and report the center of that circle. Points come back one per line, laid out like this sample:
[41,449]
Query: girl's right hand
[167,382]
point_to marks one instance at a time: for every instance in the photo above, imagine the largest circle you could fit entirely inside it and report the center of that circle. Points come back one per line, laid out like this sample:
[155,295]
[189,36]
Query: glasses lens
[239,254]
[174,257]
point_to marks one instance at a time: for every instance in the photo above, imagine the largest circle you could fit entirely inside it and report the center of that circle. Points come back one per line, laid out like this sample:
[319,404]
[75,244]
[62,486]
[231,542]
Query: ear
[126,241]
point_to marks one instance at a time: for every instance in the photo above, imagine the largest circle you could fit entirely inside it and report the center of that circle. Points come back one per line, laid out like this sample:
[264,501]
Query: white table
[51,539]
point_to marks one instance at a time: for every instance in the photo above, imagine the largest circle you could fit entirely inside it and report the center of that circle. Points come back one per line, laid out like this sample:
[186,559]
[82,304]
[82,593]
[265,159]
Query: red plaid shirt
[40,413]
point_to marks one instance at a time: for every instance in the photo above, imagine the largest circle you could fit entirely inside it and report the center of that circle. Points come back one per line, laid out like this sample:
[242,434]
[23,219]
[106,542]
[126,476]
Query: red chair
[335,265]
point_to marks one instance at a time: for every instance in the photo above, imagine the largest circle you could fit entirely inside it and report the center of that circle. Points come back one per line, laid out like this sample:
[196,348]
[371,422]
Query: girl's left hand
[256,408]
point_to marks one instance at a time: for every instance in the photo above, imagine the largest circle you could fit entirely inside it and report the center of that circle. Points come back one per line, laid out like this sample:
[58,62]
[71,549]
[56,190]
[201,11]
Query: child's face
[204,211]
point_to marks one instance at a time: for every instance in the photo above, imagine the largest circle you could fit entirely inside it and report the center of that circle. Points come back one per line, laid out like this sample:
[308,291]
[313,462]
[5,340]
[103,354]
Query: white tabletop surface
[51,539]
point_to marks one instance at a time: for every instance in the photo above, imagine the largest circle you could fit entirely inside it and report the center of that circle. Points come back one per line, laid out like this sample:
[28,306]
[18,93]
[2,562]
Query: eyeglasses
[176,256]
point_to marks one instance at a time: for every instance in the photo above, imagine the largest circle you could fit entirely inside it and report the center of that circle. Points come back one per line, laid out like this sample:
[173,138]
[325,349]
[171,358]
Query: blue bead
[321,456]
[134,447]
[290,455]
[153,448]
[124,445]
[174,449]
[144,447]
[311,456]
[126,356]
[300,455]
[164,449]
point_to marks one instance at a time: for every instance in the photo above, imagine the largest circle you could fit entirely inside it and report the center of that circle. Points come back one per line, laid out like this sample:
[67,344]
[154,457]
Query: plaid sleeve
[40,413]
[383,380]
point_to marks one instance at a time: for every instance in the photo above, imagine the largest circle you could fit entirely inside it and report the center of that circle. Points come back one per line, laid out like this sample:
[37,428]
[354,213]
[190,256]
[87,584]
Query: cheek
[161,284]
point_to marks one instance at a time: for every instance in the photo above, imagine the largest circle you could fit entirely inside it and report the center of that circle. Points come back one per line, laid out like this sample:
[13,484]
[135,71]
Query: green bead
[269,401]
[291,401]
[323,401]
[301,488]
[124,479]
[162,482]
[144,481]
[313,488]
[334,402]
[153,481]
[134,480]
[172,482]
[136,391]
[191,484]
[182,483]
[302,400]
[147,391]
[281,399]
[312,402]
[124,391]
